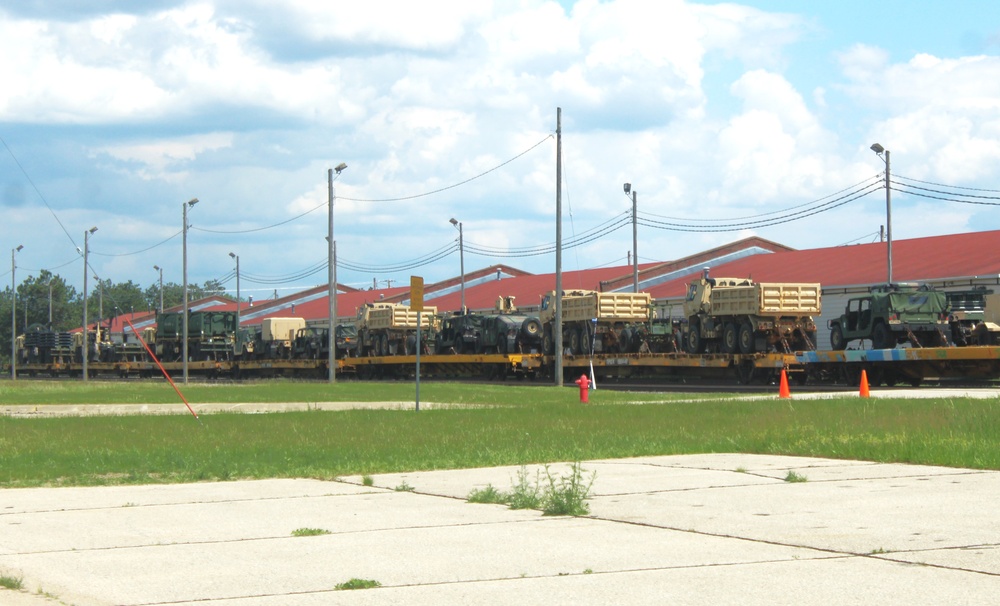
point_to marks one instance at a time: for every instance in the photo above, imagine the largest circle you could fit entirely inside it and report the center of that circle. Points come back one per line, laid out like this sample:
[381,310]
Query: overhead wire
[826,206]
[869,180]
[453,186]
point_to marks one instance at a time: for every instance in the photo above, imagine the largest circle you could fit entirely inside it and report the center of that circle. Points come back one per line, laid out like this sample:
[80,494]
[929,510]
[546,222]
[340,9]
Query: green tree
[45,296]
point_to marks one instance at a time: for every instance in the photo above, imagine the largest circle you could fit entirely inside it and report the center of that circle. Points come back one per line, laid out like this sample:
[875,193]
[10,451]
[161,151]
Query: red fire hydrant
[584,384]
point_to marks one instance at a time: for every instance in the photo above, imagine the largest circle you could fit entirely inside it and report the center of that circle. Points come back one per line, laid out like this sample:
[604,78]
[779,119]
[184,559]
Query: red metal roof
[914,260]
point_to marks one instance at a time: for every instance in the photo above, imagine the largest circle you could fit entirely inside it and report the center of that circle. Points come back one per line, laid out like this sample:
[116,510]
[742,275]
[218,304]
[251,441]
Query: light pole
[878,149]
[160,269]
[50,302]
[100,306]
[332,275]
[635,241]
[13,315]
[461,258]
[86,268]
[237,257]
[184,321]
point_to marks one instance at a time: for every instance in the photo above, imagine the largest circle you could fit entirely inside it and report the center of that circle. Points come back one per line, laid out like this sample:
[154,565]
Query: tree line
[47,299]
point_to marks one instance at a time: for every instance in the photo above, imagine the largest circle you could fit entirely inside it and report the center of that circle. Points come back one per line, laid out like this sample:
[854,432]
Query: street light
[237,257]
[461,258]
[86,331]
[332,275]
[635,241]
[184,322]
[878,149]
[160,269]
[13,315]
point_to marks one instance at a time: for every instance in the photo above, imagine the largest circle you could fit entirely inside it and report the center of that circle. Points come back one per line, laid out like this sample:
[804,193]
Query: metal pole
[184,320]
[635,248]
[461,262]
[13,315]
[50,302]
[332,286]
[417,408]
[461,258]
[85,349]
[100,306]
[888,215]
[557,329]
[332,275]
[237,257]
[160,269]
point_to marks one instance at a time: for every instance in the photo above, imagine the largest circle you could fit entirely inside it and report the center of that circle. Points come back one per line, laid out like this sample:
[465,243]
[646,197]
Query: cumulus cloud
[246,104]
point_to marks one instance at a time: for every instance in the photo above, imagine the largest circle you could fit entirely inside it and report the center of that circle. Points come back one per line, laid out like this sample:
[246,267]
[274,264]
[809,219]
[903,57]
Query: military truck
[967,318]
[738,315]
[606,321]
[210,335]
[509,331]
[459,334]
[389,329]
[891,314]
[313,342]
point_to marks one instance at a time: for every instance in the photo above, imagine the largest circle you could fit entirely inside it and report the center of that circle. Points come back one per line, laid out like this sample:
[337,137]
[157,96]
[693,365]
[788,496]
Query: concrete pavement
[698,529]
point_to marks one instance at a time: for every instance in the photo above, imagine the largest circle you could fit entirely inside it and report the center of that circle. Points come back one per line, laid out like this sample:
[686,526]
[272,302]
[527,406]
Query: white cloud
[247,103]
[156,159]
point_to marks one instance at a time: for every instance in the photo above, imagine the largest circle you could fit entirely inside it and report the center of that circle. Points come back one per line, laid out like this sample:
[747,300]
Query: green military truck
[891,314]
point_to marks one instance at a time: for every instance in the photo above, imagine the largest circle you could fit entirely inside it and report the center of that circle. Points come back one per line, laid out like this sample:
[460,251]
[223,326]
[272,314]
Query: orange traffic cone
[864,384]
[783,391]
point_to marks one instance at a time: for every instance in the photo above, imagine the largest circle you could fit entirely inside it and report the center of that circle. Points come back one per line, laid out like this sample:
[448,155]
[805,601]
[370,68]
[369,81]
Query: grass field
[491,425]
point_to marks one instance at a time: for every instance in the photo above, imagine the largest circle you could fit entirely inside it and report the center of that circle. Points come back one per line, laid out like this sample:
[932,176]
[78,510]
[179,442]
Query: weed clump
[357,584]
[561,496]
[309,532]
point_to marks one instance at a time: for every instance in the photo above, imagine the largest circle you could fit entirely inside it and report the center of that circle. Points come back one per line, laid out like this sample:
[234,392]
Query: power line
[826,206]
[437,191]
[869,180]
[942,185]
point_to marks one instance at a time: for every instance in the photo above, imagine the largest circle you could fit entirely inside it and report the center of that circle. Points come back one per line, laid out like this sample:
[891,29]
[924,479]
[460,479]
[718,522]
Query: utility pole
[557,329]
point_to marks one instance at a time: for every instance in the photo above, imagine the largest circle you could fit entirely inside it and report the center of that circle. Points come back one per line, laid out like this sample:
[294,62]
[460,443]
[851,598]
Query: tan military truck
[390,329]
[738,315]
[276,337]
[611,322]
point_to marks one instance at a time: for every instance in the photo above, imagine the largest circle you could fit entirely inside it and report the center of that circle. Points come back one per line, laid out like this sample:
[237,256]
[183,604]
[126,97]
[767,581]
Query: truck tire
[730,338]
[530,328]
[747,344]
[882,338]
[574,340]
[695,344]
[837,341]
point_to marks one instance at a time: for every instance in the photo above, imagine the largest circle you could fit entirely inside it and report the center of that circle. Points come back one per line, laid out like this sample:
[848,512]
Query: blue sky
[717,113]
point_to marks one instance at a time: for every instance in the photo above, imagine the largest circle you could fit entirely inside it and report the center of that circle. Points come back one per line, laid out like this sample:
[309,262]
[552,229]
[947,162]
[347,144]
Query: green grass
[795,477]
[517,426]
[561,496]
[358,584]
[42,393]
[309,532]
[9,582]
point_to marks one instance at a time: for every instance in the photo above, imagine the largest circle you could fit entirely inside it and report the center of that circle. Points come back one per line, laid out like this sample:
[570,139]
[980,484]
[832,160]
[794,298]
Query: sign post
[417,304]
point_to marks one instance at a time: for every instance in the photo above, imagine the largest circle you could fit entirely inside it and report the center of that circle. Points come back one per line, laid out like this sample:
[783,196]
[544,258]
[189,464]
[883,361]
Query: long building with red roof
[950,262]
